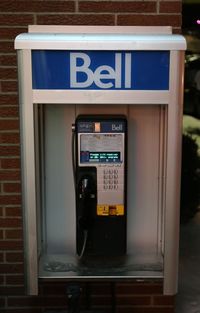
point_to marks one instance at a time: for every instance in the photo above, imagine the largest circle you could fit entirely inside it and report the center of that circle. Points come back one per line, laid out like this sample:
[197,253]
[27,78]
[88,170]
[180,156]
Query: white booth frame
[99,38]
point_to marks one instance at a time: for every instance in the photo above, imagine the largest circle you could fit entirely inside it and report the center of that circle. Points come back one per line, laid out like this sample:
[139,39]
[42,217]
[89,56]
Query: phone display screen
[101,148]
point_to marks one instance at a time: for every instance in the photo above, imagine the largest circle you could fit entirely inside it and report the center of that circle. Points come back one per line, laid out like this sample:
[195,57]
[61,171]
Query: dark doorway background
[188,297]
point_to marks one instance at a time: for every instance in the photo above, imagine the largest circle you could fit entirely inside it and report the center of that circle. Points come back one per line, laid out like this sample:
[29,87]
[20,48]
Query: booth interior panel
[58,211]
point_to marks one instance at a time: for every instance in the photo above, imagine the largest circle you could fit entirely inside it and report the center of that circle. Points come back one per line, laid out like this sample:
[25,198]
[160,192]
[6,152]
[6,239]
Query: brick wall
[15,15]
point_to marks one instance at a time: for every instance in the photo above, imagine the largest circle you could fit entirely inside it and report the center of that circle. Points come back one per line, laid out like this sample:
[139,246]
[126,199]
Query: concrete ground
[188,298]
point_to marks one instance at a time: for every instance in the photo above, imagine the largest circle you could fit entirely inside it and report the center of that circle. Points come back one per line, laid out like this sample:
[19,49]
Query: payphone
[101,185]
[68,71]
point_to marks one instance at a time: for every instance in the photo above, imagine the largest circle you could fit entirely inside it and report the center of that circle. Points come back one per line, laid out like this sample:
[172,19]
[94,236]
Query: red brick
[9,124]
[2,302]
[7,290]
[16,19]
[9,138]
[10,222]
[11,245]
[29,310]
[13,211]
[164,300]
[9,99]
[6,46]
[10,150]
[14,257]
[1,253]
[12,187]
[36,6]
[57,288]
[1,211]
[139,288]
[117,7]
[10,199]
[9,175]
[133,300]
[1,280]
[76,19]
[8,59]
[10,164]
[9,72]
[14,280]
[170,7]
[11,268]
[1,237]
[11,33]
[142,309]
[121,300]
[9,86]
[9,111]
[149,20]
[38,301]
[13,234]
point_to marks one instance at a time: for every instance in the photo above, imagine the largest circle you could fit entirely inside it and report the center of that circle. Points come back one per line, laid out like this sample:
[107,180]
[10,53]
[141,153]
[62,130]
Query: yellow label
[110,210]
[120,209]
[102,209]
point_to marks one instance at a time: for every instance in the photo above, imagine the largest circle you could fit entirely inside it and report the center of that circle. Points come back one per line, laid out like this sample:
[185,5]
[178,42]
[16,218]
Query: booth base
[108,268]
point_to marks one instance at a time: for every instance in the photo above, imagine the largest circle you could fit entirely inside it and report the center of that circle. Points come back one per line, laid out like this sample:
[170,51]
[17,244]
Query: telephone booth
[71,72]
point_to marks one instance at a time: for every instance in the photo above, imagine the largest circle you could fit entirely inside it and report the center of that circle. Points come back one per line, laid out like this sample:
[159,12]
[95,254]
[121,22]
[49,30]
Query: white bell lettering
[104,76]
[84,68]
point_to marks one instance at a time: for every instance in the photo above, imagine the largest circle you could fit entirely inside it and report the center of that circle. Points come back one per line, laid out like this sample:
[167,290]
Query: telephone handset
[86,194]
[101,185]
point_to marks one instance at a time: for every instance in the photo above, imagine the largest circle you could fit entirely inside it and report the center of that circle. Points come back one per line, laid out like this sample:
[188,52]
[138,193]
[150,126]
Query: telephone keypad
[111,178]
